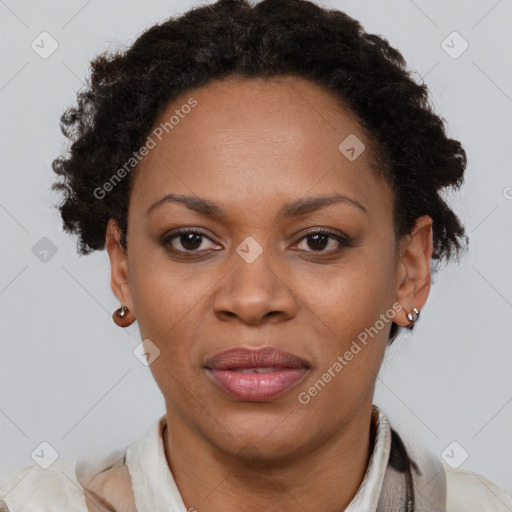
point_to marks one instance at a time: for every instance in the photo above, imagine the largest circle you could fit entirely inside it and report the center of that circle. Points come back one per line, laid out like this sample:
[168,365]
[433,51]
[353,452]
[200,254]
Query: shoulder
[461,490]
[107,480]
[32,488]
[470,492]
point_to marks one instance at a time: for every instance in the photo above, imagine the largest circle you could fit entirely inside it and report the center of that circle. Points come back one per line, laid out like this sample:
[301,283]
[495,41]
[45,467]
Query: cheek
[350,314]
[346,299]
[165,297]
[170,312]
[351,342]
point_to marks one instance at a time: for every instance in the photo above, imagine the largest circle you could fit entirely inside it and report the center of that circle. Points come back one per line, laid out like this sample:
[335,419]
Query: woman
[266,181]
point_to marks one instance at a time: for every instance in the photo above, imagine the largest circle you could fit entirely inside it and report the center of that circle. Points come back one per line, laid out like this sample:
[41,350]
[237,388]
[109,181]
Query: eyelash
[324,231]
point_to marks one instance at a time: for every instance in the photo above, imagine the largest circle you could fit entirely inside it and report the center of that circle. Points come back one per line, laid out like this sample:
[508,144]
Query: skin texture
[251,146]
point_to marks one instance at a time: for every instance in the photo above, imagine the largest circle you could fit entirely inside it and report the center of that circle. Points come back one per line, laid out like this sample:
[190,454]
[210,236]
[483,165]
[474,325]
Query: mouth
[256,375]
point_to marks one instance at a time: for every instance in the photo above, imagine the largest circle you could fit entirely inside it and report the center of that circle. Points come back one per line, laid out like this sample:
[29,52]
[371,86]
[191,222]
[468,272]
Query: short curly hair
[128,90]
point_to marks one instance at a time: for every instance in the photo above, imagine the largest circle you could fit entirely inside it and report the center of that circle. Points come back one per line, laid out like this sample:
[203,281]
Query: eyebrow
[293,209]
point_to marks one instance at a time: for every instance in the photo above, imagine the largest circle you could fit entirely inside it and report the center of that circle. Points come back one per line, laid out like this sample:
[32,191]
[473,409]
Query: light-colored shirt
[57,488]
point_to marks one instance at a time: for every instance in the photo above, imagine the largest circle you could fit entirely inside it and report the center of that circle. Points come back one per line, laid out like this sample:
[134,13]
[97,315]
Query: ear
[413,273]
[119,279]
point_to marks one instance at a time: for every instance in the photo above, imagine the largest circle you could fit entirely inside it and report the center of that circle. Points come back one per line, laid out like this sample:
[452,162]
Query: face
[251,271]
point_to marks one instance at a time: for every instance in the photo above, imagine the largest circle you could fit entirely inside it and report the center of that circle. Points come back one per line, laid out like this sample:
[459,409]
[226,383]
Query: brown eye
[186,240]
[190,241]
[317,241]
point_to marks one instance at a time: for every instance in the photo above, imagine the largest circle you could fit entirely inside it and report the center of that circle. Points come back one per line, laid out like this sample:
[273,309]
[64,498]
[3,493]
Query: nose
[255,291]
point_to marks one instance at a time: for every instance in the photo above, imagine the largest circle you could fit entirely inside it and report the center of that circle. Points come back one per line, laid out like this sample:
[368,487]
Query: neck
[325,478]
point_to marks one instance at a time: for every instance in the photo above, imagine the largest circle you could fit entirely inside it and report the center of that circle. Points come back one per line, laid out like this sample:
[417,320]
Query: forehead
[257,140]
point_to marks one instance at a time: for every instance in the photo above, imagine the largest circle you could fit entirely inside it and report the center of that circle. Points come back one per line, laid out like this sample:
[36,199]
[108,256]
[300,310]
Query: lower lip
[256,387]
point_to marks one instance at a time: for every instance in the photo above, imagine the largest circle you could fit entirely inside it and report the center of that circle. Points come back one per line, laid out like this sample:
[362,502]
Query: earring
[412,318]
[121,317]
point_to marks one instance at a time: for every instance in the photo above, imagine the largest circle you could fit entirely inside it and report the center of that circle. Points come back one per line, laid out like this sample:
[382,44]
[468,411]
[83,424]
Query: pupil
[188,238]
[315,238]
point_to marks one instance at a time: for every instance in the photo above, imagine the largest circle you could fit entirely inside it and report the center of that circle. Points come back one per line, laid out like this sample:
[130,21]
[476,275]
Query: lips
[266,357]
[255,375]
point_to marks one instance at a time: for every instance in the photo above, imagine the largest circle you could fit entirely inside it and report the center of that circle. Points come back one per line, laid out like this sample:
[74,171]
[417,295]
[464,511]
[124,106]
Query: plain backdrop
[68,375]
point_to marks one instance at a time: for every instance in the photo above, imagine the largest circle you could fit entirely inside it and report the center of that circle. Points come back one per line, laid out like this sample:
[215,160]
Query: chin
[259,436]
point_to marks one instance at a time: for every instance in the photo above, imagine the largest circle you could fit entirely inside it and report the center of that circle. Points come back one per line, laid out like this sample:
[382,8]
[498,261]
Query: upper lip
[265,357]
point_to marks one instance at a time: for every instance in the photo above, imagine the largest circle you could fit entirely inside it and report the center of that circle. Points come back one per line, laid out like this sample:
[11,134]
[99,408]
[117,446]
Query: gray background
[68,375]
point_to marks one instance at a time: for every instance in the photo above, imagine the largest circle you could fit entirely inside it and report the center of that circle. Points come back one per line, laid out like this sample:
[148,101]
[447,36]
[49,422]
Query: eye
[189,239]
[318,240]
